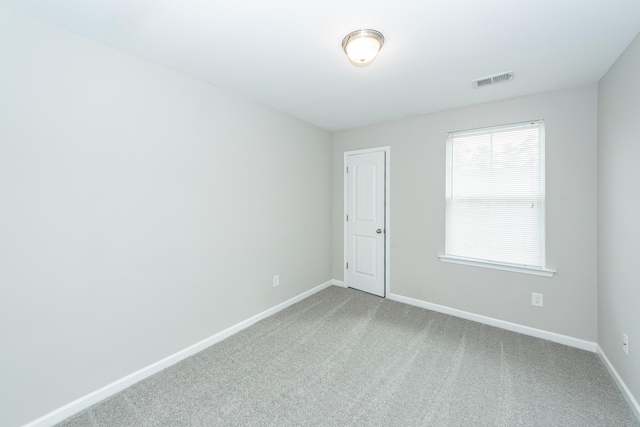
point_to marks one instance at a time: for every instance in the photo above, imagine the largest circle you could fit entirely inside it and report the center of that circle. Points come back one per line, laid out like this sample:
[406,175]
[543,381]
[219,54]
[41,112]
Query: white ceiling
[287,53]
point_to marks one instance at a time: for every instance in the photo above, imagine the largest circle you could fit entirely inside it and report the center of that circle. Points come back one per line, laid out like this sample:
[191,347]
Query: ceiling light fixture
[362,46]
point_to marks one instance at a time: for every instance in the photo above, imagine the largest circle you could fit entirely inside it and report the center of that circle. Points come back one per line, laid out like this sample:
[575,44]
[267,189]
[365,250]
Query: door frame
[387,213]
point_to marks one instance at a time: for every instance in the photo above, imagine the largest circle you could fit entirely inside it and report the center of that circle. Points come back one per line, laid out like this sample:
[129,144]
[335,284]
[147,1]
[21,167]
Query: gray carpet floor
[346,358]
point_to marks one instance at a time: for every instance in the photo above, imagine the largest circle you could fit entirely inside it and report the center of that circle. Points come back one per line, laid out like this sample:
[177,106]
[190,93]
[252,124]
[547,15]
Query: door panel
[364,262]
[365,222]
[365,192]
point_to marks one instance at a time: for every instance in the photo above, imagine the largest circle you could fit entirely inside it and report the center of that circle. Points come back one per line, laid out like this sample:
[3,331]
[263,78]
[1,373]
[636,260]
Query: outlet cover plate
[276,280]
[537,299]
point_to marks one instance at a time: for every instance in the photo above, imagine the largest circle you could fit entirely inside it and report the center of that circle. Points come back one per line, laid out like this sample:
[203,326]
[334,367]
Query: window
[495,198]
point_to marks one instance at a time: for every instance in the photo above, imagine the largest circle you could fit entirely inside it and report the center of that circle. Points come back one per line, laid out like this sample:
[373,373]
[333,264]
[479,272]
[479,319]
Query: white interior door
[365,222]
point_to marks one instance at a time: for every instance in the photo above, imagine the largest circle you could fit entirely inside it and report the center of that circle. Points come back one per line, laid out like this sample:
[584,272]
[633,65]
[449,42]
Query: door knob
[378,231]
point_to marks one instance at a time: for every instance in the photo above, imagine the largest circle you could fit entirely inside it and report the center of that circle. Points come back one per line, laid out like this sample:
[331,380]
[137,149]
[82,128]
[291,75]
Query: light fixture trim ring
[367,32]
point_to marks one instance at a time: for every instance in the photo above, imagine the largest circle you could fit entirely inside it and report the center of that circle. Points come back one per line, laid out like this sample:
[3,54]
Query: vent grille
[490,80]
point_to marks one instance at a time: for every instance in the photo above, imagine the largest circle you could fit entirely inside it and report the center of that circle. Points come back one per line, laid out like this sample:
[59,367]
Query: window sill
[497,266]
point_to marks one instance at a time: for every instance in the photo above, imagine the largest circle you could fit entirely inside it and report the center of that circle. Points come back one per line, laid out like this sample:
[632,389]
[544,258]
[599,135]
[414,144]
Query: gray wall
[619,213]
[142,211]
[418,206]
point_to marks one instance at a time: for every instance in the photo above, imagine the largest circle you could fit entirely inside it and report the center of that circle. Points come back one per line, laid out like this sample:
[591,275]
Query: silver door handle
[378,231]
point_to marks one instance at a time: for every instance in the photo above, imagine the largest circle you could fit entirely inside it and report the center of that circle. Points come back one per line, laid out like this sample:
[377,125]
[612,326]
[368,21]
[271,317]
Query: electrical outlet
[625,343]
[276,280]
[536,299]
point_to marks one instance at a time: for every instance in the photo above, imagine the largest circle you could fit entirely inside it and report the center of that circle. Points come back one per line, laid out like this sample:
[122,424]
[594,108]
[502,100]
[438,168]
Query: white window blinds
[495,195]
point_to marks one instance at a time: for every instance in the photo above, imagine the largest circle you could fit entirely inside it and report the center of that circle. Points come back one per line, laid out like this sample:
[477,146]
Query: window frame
[500,265]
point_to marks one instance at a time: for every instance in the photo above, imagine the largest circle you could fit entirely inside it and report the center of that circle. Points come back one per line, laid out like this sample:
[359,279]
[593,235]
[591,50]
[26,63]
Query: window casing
[495,199]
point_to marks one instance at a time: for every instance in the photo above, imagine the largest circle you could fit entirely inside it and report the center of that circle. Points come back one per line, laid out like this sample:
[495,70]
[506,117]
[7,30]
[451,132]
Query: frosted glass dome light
[362,46]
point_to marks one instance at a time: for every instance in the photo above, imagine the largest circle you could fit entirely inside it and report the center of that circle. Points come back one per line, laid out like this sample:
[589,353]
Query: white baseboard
[85,401]
[633,403]
[526,330]
[340,283]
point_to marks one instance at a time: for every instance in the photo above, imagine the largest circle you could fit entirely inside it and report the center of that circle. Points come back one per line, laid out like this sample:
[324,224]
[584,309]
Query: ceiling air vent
[491,80]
